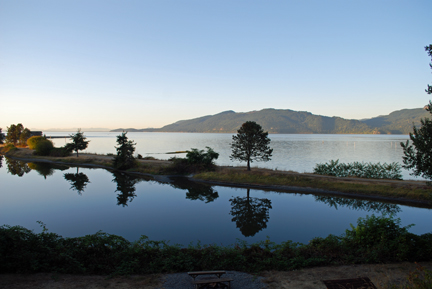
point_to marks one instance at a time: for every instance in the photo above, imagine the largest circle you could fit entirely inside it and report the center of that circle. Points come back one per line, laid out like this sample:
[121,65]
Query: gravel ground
[241,280]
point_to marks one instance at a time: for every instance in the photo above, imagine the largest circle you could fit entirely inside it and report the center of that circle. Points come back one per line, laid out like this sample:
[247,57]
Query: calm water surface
[294,152]
[78,201]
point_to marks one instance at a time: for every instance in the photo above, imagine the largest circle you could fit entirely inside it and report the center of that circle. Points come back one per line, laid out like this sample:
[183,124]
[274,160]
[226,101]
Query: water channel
[74,201]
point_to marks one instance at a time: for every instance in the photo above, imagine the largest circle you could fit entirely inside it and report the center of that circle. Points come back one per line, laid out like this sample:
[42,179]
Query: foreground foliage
[418,156]
[361,170]
[373,240]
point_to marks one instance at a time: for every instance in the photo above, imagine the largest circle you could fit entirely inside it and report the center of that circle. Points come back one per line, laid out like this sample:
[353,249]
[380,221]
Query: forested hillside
[289,121]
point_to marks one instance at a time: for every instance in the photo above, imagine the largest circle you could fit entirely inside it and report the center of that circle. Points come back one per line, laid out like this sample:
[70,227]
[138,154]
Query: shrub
[43,148]
[195,156]
[375,239]
[380,239]
[60,152]
[361,170]
[139,156]
[195,161]
[33,141]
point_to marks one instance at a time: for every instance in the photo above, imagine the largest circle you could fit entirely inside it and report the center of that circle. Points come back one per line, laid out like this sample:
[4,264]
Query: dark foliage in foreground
[418,156]
[374,240]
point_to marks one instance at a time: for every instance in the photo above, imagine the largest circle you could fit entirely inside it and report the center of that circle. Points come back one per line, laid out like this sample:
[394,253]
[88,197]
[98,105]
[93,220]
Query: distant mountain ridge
[286,121]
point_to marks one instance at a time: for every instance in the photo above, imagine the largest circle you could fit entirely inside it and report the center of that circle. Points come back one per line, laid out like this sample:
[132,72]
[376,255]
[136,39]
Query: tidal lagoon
[74,201]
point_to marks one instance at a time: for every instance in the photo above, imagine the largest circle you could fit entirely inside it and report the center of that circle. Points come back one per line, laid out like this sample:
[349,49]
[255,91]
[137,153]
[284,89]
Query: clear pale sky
[112,64]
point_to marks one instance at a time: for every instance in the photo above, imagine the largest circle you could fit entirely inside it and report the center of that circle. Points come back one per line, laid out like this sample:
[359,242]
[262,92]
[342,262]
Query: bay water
[296,152]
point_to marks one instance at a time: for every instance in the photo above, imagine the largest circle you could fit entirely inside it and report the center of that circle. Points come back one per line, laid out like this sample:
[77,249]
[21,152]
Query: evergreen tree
[251,144]
[418,156]
[78,143]
[125,149]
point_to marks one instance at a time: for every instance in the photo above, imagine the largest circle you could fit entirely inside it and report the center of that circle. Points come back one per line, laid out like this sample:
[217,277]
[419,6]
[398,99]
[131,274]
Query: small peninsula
[410,192]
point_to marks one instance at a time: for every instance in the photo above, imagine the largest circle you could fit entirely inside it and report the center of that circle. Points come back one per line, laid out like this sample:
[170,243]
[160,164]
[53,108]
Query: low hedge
[373,240]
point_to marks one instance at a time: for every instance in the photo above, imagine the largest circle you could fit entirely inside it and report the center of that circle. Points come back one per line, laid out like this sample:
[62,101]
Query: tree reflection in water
[16,167]
[196,191]
[78,181]
[126,187]
[46,169]
[250,214]
[359,205]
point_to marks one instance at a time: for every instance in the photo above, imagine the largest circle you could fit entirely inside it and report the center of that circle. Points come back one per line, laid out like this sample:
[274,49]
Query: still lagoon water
[75,201]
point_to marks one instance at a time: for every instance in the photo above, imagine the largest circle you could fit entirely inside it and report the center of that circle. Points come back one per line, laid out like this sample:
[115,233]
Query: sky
[139,64]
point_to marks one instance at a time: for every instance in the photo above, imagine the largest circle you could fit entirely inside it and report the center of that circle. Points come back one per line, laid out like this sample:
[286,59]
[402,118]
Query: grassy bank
[373,240]
[389,189]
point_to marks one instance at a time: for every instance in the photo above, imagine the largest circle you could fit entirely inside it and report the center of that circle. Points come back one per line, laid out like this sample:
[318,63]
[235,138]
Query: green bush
[373,240]
[60,152]
[378,239]
[31,142]
[361,170]
[43,147]
[195,156]
[195,161]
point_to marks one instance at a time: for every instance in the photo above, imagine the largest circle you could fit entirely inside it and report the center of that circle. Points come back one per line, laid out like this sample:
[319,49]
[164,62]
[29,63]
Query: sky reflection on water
[78,201]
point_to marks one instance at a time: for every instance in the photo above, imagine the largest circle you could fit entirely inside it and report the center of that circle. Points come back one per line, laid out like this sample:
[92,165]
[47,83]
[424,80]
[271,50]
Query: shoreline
[310,182]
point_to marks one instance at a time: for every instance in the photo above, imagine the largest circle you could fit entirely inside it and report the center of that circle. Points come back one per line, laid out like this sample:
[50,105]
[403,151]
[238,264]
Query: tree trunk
[77,153]
[248,165]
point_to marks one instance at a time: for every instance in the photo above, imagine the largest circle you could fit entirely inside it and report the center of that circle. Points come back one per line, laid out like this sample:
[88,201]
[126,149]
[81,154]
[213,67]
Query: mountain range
[287,121]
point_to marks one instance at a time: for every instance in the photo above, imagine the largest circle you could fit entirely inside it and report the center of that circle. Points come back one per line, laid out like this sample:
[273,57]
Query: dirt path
[382,275]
